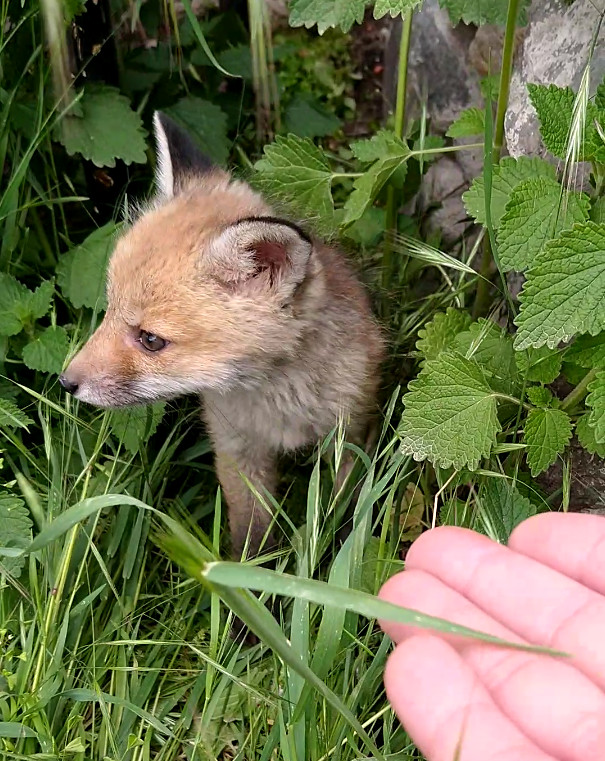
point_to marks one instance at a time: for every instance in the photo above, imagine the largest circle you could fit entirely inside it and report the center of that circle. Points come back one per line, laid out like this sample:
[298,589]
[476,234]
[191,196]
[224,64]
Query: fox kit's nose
[69,385]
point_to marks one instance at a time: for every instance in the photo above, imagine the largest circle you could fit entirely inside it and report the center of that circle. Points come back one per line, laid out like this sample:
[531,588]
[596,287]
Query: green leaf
[596,402]
[11,416]
[480,12]
[393,153]
[586,436]
[542,365]
[505,508]
[587,351]
[47,352]
[394,7]
[441,331]
[81,272]
[506,176]
[136,425]
[374,148]
[15,300]
[206,123]
[554,106]
[489,345]
[72,8]
[306,117]
[80,512]
[41,299]
[295,168]
[16,531]
[327,13]
[248,576]
[16,730]
[104,128]
[563,293]
[539,396]
[547,433]
[470,122]
[537,210]
[427,143]
[450,415]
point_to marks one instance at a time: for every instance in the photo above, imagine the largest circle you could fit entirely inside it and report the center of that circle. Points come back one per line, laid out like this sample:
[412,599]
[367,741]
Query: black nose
[70,386]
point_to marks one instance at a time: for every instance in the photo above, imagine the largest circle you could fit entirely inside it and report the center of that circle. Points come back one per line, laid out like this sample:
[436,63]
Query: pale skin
[460,699]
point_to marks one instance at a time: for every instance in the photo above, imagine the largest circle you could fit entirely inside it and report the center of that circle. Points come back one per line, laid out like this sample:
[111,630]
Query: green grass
[110,652]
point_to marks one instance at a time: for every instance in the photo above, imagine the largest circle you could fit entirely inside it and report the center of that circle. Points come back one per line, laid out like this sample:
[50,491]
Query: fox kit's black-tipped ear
[178,158]
[271,252]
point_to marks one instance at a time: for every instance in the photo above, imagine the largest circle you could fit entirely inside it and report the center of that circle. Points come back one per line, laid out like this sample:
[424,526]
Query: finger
[419,590]
[445,708]
[538,603]
[572,543]
[556,706]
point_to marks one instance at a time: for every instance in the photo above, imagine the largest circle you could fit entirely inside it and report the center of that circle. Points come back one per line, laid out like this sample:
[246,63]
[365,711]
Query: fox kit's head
[202,290]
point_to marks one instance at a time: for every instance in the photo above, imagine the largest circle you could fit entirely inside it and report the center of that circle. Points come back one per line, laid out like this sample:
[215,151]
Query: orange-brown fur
[279,350]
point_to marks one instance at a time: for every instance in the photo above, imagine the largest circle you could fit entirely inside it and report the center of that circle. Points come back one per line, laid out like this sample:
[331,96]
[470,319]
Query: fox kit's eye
[151,342]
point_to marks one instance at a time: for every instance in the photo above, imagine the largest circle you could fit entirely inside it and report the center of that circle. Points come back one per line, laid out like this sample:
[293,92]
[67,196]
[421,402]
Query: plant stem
[508,51]
[579,392]
[402,79]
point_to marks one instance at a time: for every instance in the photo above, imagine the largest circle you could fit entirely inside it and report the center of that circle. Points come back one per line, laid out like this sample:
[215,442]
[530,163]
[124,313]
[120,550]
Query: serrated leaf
[480,12]
[547,432]
[536,211]
[542,365]
[470,122]
[41,299]
[554,106]
[47,352]
[440,332]
[135,426]
[306,117]
[11,416]
[206,123]
[16,531]
[563,293]
[295,168]
[427,143]
[373,148]
[73,8]
[505,508]
[450,415]
[586,436]
[596,402]
[15,299]
[105,128]
[327,13]
[81,271]
[394,7]
[393,155]
[491,347]
[506,176]
[587,351]
[539,396]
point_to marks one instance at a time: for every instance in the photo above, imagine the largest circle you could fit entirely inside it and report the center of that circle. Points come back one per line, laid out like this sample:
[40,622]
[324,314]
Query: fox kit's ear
[263,251]
[178,158]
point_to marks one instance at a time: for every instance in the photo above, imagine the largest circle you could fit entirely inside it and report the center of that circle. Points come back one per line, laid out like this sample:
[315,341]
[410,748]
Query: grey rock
[555,51]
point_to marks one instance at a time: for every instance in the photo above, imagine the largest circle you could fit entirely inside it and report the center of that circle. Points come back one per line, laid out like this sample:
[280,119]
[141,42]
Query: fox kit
[208,292]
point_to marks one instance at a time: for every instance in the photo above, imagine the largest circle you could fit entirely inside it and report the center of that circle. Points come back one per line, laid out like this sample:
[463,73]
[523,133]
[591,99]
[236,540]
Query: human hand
[461,699]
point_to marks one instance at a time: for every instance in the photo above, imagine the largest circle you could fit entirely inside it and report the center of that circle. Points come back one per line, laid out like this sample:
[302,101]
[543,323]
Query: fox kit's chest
[287,414]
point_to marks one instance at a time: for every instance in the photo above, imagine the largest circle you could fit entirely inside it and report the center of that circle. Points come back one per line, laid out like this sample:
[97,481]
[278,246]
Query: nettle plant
[487,397]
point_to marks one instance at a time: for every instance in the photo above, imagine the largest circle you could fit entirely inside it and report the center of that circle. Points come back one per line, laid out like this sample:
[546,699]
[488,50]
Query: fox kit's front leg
[249,519]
